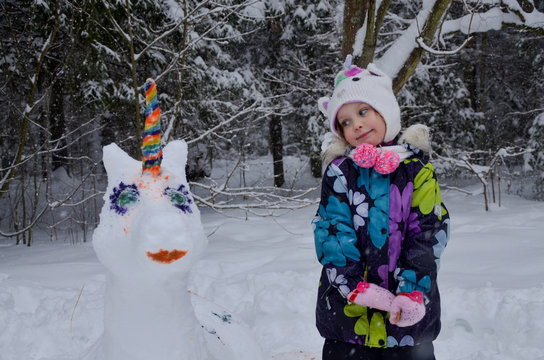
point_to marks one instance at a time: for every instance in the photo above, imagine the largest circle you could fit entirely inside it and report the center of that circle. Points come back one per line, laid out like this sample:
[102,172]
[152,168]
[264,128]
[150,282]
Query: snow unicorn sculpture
[149,237]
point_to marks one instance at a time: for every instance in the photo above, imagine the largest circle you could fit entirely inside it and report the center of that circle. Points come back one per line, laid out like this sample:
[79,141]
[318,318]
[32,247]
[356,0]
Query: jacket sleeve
[334,234]
[427,234]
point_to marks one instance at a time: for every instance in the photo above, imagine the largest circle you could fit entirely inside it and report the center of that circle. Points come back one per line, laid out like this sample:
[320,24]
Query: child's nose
[359,123]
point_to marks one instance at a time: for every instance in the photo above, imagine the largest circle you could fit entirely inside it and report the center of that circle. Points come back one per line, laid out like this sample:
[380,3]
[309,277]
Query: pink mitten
[372,296]
[407,309]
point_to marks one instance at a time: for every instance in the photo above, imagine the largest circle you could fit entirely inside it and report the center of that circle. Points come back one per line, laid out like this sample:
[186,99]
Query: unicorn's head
[149,225]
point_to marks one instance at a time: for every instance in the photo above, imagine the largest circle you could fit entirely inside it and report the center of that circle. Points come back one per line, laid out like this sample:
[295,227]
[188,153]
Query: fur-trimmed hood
[416,136]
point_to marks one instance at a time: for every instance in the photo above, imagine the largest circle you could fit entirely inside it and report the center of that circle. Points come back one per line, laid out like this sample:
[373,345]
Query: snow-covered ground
[265,272]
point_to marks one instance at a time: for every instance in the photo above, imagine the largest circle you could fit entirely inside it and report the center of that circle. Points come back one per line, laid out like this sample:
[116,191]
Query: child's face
[360,123]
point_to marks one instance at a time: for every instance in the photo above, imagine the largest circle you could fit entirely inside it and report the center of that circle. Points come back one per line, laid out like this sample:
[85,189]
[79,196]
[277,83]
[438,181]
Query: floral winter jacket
[389,230]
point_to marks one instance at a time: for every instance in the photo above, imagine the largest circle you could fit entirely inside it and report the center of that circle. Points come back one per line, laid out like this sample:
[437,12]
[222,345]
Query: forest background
[239,80]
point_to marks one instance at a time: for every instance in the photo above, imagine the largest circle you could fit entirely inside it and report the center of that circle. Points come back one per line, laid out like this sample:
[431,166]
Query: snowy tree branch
[249,109]
[430,50]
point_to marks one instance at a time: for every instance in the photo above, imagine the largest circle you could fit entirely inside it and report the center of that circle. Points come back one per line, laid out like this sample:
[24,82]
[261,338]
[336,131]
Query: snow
[101,47]
[175,11]
[41,3]
[478,22]
[322,6]
[264,272]
[260,9]
[394,58]
[538,122]
[358,44]
[255,10]
[493,19]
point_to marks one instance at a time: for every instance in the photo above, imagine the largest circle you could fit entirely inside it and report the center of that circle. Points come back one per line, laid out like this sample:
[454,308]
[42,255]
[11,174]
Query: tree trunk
[57,124]
[482,72]
[275,127]
[137,123]
[482,135]
[276,148]
[427,34]
[171,128]
[315,165]
[469,79]
[354,18]
[373,26]
[369,44]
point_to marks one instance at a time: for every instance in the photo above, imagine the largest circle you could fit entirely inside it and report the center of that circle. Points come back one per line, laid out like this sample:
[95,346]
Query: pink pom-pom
[387,162]
[365,155]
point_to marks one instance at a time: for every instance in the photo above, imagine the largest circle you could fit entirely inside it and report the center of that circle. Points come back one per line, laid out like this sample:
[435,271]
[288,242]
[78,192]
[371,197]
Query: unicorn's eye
[180,198]
[123,197]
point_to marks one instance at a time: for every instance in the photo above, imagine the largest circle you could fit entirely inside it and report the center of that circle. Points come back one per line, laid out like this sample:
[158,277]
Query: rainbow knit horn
[151,149]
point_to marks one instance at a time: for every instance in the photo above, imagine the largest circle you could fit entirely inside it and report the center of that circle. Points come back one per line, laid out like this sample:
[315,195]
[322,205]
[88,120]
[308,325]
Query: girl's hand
[372,296]
[407,309]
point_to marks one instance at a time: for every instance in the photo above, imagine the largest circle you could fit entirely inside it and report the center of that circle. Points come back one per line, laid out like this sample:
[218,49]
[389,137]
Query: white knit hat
[371,86]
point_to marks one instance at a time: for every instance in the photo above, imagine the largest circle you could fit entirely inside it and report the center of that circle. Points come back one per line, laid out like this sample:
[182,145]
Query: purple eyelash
[120,203]
[180,198]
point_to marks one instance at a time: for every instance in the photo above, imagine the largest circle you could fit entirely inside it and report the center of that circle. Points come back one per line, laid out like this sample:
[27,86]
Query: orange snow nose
[165,256]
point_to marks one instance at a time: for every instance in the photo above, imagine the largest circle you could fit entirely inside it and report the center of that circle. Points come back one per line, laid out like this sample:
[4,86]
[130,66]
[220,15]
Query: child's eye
[123,197]
[345,123]
[363,112]
[180,198]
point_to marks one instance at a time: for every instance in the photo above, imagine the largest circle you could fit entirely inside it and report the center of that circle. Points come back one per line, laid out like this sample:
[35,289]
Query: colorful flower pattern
[377,186]
[362,224]
[338,281]
[340,184]
[373,330]
[335,238]
[442,237]
[427,193]
[406,340]
[400,219]
[357,200]
[408,281]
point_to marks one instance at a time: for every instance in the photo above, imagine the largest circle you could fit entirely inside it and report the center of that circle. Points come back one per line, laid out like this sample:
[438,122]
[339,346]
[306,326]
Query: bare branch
[49,206]
[231,119]
[156,40]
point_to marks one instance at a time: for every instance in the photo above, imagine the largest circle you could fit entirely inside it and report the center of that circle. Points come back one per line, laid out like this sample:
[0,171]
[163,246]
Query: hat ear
[323,104]
[374,69]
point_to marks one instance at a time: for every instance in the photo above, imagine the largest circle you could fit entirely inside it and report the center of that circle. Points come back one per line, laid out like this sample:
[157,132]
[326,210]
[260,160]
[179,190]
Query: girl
[380,228]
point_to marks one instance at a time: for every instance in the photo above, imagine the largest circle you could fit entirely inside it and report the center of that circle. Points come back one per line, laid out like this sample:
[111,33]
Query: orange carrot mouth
[165,256]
